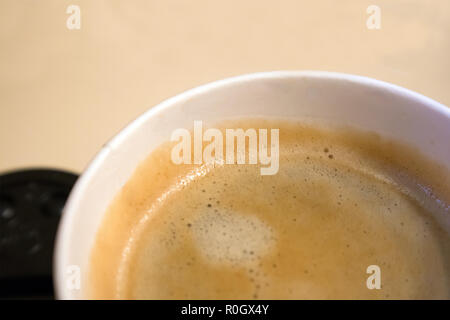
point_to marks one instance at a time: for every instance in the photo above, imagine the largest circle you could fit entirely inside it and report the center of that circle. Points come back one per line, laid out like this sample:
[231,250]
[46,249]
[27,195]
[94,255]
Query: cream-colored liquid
[341,201]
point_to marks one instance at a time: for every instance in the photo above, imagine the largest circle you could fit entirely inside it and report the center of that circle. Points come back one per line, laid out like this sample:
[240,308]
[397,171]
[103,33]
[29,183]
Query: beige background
[64,93]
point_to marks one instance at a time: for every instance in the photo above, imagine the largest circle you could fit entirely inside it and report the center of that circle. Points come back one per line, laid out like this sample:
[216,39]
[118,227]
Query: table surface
[64,93]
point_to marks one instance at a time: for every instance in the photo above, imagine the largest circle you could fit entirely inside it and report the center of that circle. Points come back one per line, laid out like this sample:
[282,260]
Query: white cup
[351,100]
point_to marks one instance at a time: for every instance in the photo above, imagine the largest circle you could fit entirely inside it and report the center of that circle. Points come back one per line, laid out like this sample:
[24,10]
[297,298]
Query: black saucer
[31,202]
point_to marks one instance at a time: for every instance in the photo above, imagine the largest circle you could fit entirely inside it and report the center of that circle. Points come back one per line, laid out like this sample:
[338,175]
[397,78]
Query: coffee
[342,200]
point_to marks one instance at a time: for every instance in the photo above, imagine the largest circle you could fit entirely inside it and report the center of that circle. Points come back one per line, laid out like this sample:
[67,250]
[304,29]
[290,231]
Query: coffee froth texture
[342,200]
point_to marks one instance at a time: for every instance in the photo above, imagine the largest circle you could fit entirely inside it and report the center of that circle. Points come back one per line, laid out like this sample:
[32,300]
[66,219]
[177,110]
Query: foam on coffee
[228,237]
[341,201]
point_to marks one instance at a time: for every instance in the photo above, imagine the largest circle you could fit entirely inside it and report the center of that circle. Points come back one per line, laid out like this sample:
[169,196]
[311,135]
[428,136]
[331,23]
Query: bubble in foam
[226,236]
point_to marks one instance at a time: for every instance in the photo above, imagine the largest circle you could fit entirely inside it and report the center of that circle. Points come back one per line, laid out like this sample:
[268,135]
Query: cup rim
[61,239]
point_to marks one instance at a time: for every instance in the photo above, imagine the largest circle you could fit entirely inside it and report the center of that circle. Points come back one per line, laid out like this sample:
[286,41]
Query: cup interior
[342,99]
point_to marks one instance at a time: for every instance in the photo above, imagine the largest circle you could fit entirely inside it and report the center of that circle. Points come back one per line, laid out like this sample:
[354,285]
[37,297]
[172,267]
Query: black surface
[31,202]
[278,309]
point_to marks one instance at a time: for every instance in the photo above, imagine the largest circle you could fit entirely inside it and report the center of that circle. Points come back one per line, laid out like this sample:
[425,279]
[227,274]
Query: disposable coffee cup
[342,99]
